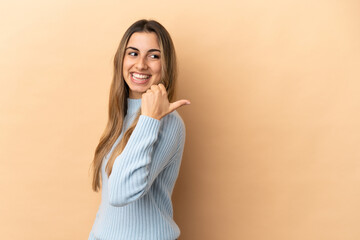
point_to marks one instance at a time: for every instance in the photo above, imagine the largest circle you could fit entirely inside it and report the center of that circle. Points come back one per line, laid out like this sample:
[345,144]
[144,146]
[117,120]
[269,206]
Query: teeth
[140,76]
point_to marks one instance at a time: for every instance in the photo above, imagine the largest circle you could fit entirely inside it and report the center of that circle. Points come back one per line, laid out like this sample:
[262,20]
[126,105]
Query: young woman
[137,160]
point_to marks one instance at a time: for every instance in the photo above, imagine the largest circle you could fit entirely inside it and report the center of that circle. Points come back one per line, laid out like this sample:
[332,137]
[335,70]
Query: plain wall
[273,131]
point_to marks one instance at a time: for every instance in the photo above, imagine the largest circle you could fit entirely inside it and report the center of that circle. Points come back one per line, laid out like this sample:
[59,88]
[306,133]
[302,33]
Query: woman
[138,157]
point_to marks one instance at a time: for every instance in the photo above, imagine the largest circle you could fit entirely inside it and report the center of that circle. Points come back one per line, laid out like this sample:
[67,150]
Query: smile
[139,78]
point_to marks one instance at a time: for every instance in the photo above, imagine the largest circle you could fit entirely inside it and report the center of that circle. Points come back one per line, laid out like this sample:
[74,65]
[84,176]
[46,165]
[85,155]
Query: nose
[141,64]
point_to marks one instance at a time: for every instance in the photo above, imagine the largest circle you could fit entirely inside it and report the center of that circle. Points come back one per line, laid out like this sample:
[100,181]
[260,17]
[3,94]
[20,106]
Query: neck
[134,104]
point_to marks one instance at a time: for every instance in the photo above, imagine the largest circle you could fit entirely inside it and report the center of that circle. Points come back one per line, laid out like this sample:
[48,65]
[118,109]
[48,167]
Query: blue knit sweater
[136,198]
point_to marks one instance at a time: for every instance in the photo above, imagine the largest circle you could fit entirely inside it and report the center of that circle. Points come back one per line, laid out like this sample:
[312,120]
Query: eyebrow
[151,50]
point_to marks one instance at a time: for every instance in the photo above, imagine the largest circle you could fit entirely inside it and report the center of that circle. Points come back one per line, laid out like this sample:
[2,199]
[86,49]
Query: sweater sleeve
[151,147]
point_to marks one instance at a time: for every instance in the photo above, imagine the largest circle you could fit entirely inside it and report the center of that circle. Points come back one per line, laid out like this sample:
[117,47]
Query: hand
[155,103]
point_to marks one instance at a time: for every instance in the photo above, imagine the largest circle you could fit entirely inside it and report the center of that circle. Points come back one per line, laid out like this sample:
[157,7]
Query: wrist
[151,116]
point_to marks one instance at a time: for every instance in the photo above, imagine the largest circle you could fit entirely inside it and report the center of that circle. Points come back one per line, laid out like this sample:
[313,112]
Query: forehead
[143,41]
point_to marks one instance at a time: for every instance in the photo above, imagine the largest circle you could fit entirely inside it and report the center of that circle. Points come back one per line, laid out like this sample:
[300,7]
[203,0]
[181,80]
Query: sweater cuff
[148,124]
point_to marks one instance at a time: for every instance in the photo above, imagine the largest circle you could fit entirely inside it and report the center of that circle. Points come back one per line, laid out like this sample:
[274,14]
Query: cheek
[126,64]
[157,68]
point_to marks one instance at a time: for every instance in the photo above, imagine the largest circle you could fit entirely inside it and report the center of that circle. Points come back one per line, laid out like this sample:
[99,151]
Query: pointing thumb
[177,104]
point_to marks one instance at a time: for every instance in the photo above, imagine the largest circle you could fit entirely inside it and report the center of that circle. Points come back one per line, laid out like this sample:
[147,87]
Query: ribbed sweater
[136,198]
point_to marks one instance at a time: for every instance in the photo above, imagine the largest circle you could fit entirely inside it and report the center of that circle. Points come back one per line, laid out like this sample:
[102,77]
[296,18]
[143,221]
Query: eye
[155,56]
[134,54]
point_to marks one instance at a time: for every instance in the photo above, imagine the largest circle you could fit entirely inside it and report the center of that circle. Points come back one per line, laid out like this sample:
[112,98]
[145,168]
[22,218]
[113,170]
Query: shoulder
[172,130]
[173,121]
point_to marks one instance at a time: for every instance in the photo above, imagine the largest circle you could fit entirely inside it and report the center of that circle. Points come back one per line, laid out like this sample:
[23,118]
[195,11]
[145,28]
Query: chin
[136,92]
[139,90]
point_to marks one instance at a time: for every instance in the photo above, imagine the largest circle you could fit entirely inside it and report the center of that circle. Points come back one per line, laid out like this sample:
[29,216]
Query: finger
[162,88]
[175,105]
[154,88]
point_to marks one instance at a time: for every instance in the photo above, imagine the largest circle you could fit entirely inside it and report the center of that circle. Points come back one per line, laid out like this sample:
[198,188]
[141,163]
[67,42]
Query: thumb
[175,105]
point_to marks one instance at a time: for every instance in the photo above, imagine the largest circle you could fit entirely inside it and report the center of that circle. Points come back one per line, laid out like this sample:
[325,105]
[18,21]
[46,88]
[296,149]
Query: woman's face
[142,63]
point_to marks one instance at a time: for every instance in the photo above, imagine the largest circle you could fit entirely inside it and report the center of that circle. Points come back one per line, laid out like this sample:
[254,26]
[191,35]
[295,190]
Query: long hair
[119,92]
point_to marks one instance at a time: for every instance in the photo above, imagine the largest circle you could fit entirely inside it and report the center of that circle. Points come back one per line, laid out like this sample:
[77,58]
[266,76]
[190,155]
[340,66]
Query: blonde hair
[119,92]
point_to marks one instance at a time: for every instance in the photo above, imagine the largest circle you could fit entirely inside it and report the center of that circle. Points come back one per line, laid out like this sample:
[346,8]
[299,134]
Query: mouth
[140,78]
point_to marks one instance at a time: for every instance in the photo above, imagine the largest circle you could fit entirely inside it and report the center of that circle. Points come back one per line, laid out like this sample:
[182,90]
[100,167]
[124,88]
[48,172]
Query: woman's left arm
[156,141]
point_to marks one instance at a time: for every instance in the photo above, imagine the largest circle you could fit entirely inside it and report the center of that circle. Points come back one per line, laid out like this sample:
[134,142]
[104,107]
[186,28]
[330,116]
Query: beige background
[273,132]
